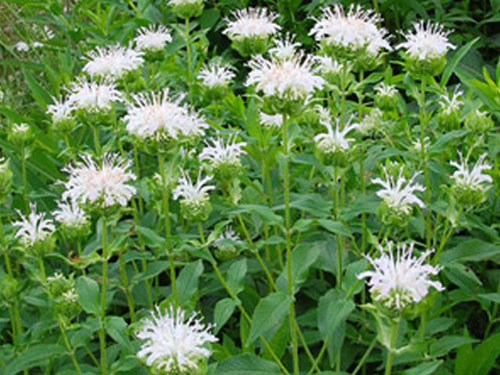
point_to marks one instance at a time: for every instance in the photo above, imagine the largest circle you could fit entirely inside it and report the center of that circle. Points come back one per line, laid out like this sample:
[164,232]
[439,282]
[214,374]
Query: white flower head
[417,145]
[215,75]
[152,38]
[93,96]
[399,194]
[183,2]
[451,103]
[251,23]
[112,62]
[334,140]
[228,235]
[20,128]
[60,110]
[218,153]
[173,344]
[70,214]
[473,179]
[284,48]
[357,29]
[385,90]
[158,115]
[271,121]
[428,41]
[293,78]
[58,276]
[105,184]
[401,279]
[195,194]
[371,122]
[21,47]
[70,296]
[33,228]
[327,65]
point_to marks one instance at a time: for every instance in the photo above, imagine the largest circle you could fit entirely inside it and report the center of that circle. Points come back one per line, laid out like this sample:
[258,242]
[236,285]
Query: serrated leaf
[88,295]
[269,315]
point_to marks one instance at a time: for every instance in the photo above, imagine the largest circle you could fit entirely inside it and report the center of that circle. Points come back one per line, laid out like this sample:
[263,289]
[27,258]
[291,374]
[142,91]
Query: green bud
[188,9]
[251,46]
[478,122]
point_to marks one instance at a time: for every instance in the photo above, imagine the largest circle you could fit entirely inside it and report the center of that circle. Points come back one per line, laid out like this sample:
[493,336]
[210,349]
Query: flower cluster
[401,280]
[173,344]
[223,157]
[194,197]
[35,231]
[101,185]
[152,38]
[470,185]
[398,196]
[112,62]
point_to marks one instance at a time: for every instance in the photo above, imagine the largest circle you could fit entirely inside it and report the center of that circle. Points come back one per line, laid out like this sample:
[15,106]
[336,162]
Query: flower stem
[68,346]
[97,145]
[102,331]
[126,287]
[423,119]
[188,52]
[293,334]
[168,236]
[25,178]
[390,353]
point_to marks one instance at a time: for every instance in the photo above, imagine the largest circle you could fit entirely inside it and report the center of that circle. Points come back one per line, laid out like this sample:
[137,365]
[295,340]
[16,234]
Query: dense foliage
[232,187]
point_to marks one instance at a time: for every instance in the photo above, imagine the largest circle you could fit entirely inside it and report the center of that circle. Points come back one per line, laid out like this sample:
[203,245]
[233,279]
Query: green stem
[97,146]
[25,178]
[293,332]
[168,236]
[365,356]
[423,119]
[188,52]
[138,175]
[126,287]
[68,346]
[102,331]
[390,352]
[41,267]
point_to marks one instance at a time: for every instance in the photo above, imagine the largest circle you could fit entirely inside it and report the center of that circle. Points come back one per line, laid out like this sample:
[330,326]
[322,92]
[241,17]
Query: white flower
[93,96]
[34,228]
[399,194]
[70,296]
[37,45]
[217,152]
[172,343]
[20,128]
[228,235]
[58,276]
[471,179]
[60,110]
[293,78]
[327,65]
[335,140]
[152,38]
[215,75]
[183,2]
[427,41]
[418,145]
[22,46]
[112,62]
[284,48]
[158,115]
[401,280]
[358,29]
[450,104]
[48,32]
[70,214]
[105,184]
[372,121]
[271,121]
[383,89]
[193,194]
[251,23]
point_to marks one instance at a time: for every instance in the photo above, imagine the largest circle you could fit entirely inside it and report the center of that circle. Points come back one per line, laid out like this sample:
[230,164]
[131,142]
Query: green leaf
[265,213]
[426,368]
[247,364]
[302,258]
[493,297]
[334,227]
[269,315]
[448,343]
[333,310]
[453,62]
[187,282]
[472,250]
[485,355]
[38,92]
[151,238]
[116,327]
[223,311]
[88,295]
[236,276]
[34,356]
